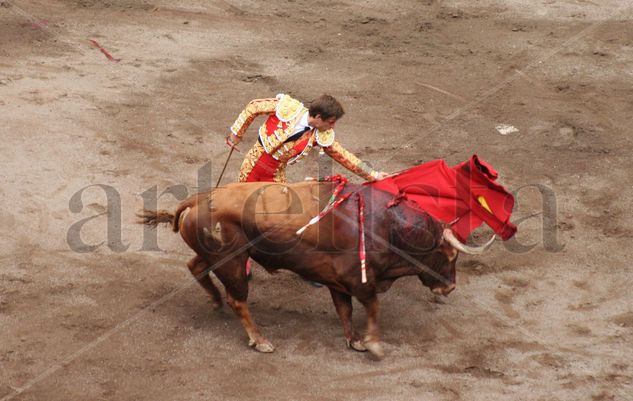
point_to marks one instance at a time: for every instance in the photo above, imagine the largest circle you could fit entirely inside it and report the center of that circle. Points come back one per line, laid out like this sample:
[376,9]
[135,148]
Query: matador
[289,133]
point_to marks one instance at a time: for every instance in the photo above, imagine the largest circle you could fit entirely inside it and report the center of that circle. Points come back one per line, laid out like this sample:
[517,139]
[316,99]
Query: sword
[225,164]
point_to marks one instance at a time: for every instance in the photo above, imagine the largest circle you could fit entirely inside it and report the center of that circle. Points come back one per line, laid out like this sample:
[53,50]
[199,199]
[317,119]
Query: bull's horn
[471,250]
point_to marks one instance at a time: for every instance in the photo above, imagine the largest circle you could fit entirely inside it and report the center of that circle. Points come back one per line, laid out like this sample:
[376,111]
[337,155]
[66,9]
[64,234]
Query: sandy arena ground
[547,317]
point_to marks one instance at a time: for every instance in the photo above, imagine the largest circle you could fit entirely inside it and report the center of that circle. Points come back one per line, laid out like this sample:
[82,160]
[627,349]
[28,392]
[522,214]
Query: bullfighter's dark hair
[326,106]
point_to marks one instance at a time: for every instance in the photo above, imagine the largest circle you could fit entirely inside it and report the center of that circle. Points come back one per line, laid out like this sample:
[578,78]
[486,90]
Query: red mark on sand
[39,24]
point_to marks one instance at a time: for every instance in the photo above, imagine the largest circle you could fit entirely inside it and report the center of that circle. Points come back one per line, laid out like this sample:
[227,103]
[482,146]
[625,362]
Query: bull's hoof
[356,345]
[375,349]
[263,346]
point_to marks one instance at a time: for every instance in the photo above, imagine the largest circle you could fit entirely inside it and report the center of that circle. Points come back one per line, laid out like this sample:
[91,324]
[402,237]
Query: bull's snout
[444,290]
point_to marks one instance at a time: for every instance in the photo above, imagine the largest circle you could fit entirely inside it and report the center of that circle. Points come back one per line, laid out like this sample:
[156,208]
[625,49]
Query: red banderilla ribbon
[361,240]
[104,51]
[332,203]
[327,209]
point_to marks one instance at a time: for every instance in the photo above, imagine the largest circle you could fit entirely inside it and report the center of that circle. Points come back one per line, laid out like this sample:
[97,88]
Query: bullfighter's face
[322,124]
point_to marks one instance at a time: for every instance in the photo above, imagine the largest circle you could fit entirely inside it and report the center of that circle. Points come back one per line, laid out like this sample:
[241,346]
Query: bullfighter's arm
[253,109]
[351,162]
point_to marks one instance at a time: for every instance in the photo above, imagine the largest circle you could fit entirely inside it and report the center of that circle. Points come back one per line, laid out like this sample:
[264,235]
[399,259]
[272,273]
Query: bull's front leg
[372,339]
[343,305]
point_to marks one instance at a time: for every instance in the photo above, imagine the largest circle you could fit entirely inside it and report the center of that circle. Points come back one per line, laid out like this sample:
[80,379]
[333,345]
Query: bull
[260,220]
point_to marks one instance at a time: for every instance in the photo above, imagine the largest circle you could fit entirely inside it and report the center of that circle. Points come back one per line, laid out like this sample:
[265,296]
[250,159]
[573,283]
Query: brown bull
[260,220]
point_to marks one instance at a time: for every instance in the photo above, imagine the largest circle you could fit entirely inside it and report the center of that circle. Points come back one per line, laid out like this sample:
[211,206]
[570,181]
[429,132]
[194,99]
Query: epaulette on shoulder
[287,108]
[325,138]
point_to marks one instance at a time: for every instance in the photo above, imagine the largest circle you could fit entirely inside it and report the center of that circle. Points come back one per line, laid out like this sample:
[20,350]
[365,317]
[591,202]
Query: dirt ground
[547,317]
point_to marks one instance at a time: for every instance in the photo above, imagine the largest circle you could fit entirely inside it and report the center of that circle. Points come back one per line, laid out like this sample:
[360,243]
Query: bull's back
[278,210]
[268,205]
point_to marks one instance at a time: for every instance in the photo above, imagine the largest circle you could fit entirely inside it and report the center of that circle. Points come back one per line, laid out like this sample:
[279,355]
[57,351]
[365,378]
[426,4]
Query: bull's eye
[450,253]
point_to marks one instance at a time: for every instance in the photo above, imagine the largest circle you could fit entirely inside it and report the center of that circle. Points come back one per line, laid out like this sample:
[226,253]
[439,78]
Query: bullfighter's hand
[382,175]
[232,141]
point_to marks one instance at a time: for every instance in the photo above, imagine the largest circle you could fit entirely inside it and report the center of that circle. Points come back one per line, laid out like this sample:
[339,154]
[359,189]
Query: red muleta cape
[466,194]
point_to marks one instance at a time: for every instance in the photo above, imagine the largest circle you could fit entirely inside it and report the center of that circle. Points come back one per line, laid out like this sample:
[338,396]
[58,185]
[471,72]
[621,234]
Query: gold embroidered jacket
[284,113]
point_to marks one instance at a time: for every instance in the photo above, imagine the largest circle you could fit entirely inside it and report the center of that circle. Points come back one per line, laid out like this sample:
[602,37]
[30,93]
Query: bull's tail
[153,218]
[184,205]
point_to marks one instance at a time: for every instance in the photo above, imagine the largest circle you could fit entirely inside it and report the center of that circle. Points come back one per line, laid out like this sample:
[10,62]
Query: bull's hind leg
[343,305]
[233,275]
[255,338]
[200,270]
[372,339]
